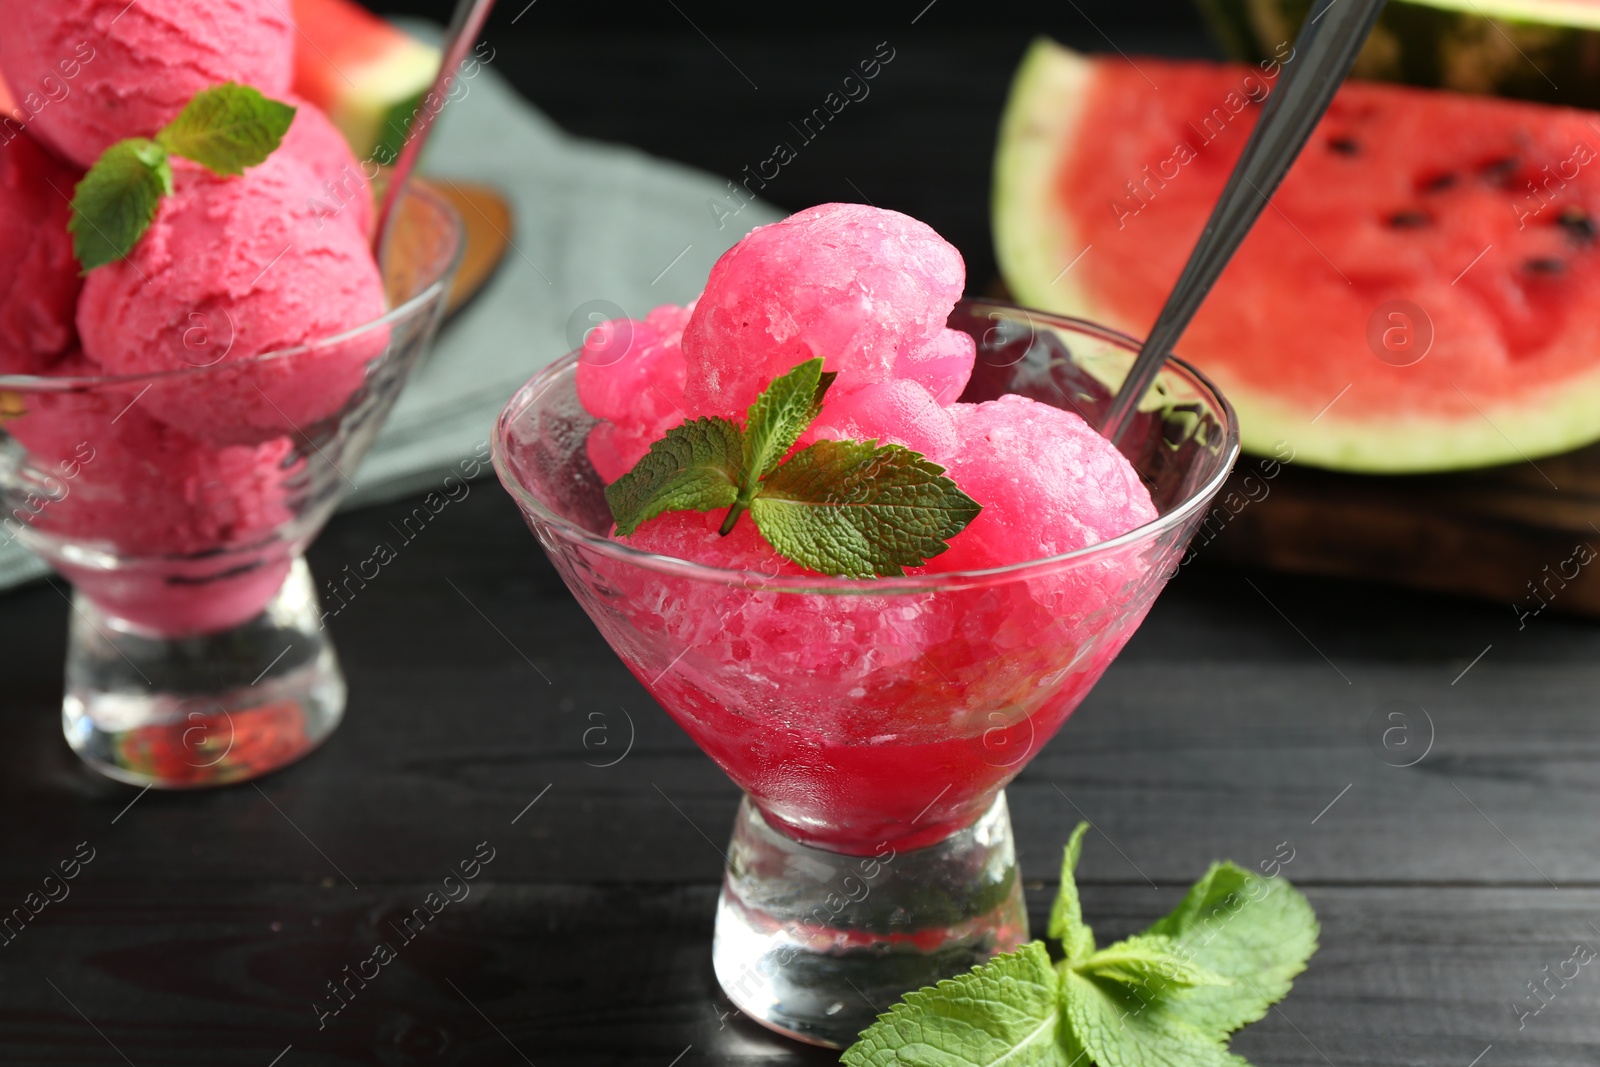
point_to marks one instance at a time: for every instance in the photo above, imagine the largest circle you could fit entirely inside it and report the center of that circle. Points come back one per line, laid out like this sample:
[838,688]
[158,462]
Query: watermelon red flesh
[1400,194]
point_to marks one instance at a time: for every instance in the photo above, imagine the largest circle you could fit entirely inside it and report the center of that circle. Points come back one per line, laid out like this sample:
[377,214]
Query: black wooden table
[487,714]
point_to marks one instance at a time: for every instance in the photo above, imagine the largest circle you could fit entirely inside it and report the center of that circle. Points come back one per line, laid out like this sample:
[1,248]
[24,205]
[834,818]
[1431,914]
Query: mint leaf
[850,508]
[117,200]
[696,466]
[859,509]
[1110,1024]
[1166,998]
[227,128]
[774,422]
[1004,1012]
[1258,931]
[780,415]
[1147,963]
[1066,914]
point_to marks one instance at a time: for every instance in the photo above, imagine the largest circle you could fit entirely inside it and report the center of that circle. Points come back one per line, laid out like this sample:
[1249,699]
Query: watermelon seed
[1545,265]
[1579,226]
[1440,183]
[1345,146]
[1408,220]
[1499,171]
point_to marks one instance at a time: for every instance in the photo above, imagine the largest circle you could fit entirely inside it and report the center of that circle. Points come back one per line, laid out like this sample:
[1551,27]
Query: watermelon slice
[1545,50]
[1422,293]
[366,74]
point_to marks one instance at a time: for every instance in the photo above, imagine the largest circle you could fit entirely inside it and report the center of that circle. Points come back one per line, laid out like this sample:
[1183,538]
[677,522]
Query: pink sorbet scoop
[850,283]
[230,269]
[93,72]
[38,276]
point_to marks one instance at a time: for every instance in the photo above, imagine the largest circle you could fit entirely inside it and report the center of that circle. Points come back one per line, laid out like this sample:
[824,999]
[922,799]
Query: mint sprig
[860,509]
[1170,995]
[856,509]
[225,129]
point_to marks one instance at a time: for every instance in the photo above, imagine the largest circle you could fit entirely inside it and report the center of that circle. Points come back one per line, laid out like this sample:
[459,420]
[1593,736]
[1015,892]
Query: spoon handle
[1326,48]
[465,25]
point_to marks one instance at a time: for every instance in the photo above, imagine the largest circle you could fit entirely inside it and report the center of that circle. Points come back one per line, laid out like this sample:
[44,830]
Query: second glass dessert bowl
[179,505]
[873,725]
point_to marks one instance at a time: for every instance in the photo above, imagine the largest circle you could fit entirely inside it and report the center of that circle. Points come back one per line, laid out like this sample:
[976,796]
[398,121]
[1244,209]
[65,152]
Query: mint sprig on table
[225,129]
[1168,996]
[855,509]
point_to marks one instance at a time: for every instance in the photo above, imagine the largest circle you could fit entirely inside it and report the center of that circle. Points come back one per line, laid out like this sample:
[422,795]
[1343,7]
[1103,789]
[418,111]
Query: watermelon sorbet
[131,67]
[858,713]
[242,323]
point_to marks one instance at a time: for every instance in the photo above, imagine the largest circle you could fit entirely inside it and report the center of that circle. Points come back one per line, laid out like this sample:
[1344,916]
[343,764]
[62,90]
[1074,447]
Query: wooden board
[488,219]
[1524,535]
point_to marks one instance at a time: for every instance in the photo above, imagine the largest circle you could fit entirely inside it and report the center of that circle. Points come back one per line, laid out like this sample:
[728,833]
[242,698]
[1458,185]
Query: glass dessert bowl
[179,505]
[873,724]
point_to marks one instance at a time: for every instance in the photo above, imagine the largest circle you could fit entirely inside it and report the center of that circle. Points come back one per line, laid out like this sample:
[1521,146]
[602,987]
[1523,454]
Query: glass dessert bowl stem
[180,504]
[815,944]
[874,724]
[206,708]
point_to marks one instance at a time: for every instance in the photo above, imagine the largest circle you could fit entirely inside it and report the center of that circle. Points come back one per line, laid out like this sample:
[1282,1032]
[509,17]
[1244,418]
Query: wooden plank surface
[1522,535]
[512,974]
[1222,730]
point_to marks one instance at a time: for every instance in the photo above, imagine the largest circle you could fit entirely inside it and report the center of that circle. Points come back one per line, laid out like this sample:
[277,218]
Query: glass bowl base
[815,944]
[203,710]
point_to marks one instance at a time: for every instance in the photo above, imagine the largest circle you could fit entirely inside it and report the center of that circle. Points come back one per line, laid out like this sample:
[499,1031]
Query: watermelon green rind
[395,128]
[1545,50]
[375,112]
[1406,446]
[1035,240]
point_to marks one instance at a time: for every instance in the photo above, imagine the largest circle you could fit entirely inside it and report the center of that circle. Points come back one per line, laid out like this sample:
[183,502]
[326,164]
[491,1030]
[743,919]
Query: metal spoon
[465,25]
[1326,48]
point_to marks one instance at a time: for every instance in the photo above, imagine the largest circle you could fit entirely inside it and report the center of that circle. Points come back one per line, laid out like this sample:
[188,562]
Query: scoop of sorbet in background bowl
[39,280]
[178,466]
[233,268]
[874,724]
[109,69]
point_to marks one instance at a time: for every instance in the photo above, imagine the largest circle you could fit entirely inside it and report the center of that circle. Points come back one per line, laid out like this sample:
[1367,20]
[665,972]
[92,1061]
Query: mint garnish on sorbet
[225,129]
[1170,995]
[853,509]
[116,201]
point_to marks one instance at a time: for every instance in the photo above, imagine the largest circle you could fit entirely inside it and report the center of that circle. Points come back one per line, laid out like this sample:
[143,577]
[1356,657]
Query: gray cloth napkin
[600,229]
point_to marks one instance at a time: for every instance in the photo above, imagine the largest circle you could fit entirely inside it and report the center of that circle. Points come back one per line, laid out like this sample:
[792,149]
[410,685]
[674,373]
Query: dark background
[922,142]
